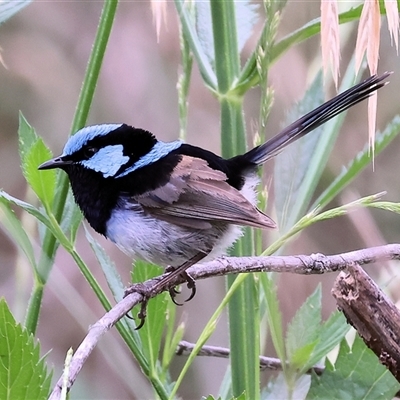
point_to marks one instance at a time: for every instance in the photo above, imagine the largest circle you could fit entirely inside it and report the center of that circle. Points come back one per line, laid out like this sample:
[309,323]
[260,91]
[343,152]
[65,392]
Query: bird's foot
[147,293]
[164,282]
[191,284]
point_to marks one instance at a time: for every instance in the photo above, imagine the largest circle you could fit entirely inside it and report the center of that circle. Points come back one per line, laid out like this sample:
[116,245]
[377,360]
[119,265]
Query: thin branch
[266,363]
[301,264]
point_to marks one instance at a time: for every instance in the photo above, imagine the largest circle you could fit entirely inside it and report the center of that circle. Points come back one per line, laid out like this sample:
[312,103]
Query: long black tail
[315,118]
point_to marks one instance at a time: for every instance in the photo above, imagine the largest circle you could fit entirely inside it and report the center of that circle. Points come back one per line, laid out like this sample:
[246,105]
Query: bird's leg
[149,292]
[181,271]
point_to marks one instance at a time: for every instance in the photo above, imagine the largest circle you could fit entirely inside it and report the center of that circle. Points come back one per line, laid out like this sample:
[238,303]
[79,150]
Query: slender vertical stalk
[243,306]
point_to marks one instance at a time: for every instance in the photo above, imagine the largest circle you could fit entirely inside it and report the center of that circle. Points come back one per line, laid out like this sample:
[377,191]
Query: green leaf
[190,34]
[246,14]
[274,316]
[110,272]
[357,374]
[5,198]
[43,183]
[278,388]
[250,76]
[300,356]
[310,29]
[304,329]
[152,331]
[72,217]
[311,170]
[23,373]
[34,152]
[17,232]
[26,137]
[172,339]
[292,165]
[362,160]
[331,334]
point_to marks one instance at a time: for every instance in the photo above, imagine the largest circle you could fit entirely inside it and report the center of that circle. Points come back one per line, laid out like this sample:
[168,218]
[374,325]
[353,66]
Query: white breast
[145,237]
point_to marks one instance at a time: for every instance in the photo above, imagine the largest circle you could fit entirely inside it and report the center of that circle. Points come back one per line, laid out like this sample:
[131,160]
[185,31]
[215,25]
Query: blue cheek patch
[107,160]
[159,150]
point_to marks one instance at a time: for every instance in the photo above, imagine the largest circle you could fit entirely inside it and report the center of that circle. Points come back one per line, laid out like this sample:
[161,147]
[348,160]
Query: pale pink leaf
[374,36]
[159,9]
[330,40]
[362,36]
[392,15]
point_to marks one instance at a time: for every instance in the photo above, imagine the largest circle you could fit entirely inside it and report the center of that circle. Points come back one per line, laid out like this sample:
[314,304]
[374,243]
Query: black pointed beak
[57,162]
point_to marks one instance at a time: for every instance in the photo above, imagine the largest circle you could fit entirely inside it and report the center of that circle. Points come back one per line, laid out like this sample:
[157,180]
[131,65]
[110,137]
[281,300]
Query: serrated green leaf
[300,357]
[26,137]
[43,183]
[17,232]
[23,373]
[331,334]
[357,375]
[152,331]
[304,329]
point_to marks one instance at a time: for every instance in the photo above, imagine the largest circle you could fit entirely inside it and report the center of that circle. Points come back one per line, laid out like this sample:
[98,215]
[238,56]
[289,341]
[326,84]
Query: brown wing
[198,195]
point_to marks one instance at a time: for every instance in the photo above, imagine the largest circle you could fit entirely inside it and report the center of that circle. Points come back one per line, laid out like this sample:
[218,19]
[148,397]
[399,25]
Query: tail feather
[315,118]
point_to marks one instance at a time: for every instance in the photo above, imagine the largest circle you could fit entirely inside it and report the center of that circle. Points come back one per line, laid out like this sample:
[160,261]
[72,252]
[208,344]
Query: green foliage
[308,340]
[359,367]
[23,373]
[157,318]
[34,152]
[358,164]
[212,35]
[294,166]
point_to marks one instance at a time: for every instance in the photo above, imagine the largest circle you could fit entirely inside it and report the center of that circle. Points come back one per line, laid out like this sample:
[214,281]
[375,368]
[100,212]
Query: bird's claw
[147,295]
[191,284]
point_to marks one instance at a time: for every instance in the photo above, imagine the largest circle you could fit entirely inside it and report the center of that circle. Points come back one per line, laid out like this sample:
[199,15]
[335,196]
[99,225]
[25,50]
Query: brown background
[45,48]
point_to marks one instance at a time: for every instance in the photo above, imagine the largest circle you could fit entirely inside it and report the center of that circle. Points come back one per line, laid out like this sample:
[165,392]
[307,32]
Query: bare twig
[301,264]
[266,363]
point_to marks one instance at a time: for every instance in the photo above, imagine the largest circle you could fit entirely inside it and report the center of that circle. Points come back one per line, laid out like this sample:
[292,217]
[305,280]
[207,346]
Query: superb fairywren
[173,203]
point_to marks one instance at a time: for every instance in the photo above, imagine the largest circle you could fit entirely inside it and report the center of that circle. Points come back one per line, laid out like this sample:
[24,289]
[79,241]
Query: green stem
[50,244]
[243,306]
[35,301]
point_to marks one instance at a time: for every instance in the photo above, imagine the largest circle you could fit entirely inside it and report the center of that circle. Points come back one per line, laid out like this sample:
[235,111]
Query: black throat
[97,196]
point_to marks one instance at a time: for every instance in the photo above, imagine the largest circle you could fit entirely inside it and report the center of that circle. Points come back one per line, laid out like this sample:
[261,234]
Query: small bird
[174,204]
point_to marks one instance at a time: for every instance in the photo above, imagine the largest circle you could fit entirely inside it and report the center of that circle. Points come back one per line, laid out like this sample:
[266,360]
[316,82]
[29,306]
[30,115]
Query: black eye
[88,152]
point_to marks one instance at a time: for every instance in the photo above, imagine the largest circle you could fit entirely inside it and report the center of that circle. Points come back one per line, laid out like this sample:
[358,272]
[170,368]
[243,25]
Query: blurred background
[45,49]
